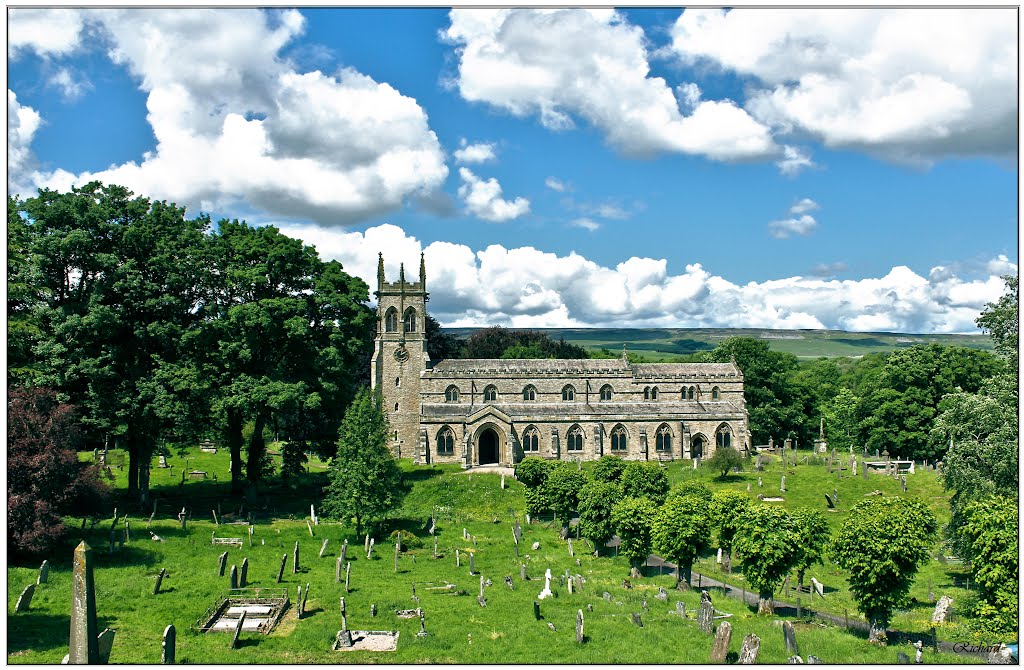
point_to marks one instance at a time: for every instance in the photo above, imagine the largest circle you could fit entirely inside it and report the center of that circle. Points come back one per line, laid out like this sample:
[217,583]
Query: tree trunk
[878,625]
[144,481]
[133,468]
[234,440]
[765,604]
[359,524]
[799,581]
[257,447]
[684,576]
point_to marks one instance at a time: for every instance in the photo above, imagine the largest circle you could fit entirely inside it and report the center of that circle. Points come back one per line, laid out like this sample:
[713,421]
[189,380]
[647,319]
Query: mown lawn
[505,631]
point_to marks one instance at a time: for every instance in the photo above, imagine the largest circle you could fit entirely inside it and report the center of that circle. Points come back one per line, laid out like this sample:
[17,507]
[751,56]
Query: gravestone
[348,569]
[547,585]
[760,484]
[159,580]
[323,548]
[918,652]
[902,658]
[344,551]
[214,513]
[789,633]
[397,549]
[423,625]
[570,585]
[366,544]
[635,618]
[942,609]
[782,486]
[435,548]
[222,561]
[295,559]
[828,499]
[1001,655]
[835,495]
[749,650]
[369,554]
[243,574]
[681,608]
[25,599]
[167,646]
[280,572]
[104,644]
[903,483]
[373,609]
[233,578]
[508,583]
[794,660]
[299,609]
[579,626]
[458,560]
[310,527]
[814,660]
[471,570]
[536,610]
[83,644]
[607,596]
[522,572]
[305,596]
[238,631]
[662,594]
[706,614]
[748,487]
[337,571]
[44,573]
[535,546]
[720,647]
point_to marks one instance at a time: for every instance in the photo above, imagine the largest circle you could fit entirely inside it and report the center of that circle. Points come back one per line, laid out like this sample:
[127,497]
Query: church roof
[581,366]
[578,411]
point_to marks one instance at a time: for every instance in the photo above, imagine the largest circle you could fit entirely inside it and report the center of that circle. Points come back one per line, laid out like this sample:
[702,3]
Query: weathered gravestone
[295,559]
[25,599]
[344,551]
[233,578]
[348,571]
[159,580]
[305,596]
[423,625]
[104,644]
[902,658]
[782,486]
[522,572]
[280,572]
[83,645]
[942,609]
[681,608]
[243,574]
[794,660]
[323,548]
[749,650]
[299,609]
[662,594]
[44,573]
[706,614]
[789,633]
[579,626]
[167,646]
[828,499]
[1000,656]
[818,586]
[720,647]
[238,630]
[535,546]
[222,562]
[635,618]
[508,583]
[471,570]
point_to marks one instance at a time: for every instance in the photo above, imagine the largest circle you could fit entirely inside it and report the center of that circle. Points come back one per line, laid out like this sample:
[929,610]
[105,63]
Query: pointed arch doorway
[487,446]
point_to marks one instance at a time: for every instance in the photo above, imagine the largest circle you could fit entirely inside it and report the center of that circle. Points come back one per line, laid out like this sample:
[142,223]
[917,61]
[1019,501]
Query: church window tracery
[574,439]
[491,393]
[451,394]
[619,438]
[663,439]
[568,393]
[445,442]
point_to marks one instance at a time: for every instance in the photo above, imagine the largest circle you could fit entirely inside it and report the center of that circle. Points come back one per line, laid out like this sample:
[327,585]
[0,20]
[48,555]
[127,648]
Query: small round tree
[991,528]
[532,471]
[692,487]
[682,529]
[768,539]
[724,460]
[882,544]
[645,479]
[562,490]
[632,519]
[608,468]
[814,537]
[595,508]
[727,509]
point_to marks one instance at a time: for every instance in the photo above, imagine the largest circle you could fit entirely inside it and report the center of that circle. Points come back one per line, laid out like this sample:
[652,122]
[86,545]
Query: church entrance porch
[487,446]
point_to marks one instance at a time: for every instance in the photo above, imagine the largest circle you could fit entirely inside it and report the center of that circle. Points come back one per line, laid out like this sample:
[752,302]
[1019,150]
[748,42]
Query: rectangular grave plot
[263,610]
[371,640]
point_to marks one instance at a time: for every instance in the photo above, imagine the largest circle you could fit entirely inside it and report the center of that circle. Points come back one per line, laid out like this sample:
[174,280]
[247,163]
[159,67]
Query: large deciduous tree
[366,483]
[682,530]
[632,519]
[882,544]
[991,529]
[768,541]
[597,498]
[727,508]
[814,538]
[562,490]
[644,479]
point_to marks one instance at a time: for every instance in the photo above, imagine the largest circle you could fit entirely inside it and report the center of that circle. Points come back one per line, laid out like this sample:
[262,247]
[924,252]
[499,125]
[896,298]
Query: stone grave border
[276,598]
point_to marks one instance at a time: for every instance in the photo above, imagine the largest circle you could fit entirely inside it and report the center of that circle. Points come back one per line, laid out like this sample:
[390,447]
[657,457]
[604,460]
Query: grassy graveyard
[459,630]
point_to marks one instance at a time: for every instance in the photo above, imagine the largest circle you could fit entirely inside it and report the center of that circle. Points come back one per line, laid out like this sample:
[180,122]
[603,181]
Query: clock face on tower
[401,353]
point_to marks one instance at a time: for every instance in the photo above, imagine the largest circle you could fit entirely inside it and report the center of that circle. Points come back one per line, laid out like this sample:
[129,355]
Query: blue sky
[799,168]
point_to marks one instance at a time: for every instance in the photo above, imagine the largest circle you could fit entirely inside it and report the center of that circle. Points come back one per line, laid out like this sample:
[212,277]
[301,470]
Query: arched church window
[445,442]
[531,440]
[691,393]
[398,381]
[451,394]
[391,320]
[663,440]
[647,393]
[410,320]
[491,393]
[619,438]
[714,393]
[574,439]
[606,392]
[723,438]
[654,393]
[569,393]
[530,393]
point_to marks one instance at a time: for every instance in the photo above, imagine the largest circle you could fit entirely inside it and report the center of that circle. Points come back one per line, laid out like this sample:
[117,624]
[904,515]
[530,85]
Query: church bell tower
[400,354]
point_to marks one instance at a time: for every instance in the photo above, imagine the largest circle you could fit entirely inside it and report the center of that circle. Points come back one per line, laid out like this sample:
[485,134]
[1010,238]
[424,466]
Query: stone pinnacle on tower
[423,273]
[380,270]
[401,273]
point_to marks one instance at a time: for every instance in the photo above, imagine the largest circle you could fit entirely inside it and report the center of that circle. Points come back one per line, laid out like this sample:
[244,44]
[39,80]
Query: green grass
[503,632]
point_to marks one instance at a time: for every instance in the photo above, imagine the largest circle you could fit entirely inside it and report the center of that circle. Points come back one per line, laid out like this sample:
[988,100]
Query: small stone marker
[569,584]
[536,546]
[789,633]
[423,625]
[305,596]
[214,513]
[749,650]
[503,481]
[299,609]
[373,609]
[337,570]
[522,572]
[706,614]
[222,561]
[681,608]
[635,618]
[295,559]
[814,660]
[570,549]
[942,609]
[323,548]
[471,569]
[458,561]
[344,551]
[280,572]
[104,644]
[918,652]
[25,599]
[233,578]
[238,631]
[435,547]
[310,527]
[397,549]
[903,483]
[243,574]
[348,569]
[83,645]
[44,573]
[508,583]
[366,544]
[536,610]
[662,594]
[369,554]
[720,647]
[828,499]
[782,487]
[794,660]
[159,580]
[167,646]
[902,658]
[579,626]
[607,596]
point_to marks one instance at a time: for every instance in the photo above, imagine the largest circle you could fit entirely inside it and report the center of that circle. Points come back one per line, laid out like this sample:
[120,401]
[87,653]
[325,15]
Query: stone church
[497,411]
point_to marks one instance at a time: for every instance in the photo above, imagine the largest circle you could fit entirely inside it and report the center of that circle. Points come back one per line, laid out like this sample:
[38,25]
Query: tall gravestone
[167,646]
[749,650]
[83,646]
[243,574]
[44,573]
[789,633]
[280,572]
[579,626]
[337,570]
[348,570]
[720,647]
[104,644]
[25,599]
[233,578]
[706,614]
[238,630]
[159,580]
[295,559]
[222,562]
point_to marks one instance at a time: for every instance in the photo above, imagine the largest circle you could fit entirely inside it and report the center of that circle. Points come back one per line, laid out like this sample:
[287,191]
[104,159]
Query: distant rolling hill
[662,344]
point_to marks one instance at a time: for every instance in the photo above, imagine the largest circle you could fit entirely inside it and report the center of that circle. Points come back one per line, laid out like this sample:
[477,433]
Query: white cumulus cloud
[530,288]
[22,124]
[235,122]
[483,199]
[47,32]
[563,64]
[800,223]
[481,152]
[911,85]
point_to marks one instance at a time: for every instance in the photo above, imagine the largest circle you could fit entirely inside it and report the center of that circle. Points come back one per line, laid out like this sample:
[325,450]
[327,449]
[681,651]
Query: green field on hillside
[663,344]
[460,630]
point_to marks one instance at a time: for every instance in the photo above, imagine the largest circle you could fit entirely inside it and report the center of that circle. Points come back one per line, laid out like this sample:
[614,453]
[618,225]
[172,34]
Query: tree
[632,519]
[724,460]
[727,508]
[562,489]
[366,483]
[991,527]
[597,498]
[692,487]
[840,415]
[768,540]
[608,468]
[1001,322]
[814,537]
[440,345]
[682,530]
[532,471]
[45,479]
[644,479]
[882,544]
[498,342]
